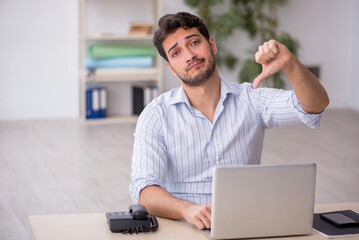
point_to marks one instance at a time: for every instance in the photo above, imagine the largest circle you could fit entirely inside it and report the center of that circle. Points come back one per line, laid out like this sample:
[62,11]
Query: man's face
[190,56]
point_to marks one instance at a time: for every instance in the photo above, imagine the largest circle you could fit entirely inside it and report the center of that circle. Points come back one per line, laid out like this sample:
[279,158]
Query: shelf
[113,119]
[109,23]
[123,75]
[99,37]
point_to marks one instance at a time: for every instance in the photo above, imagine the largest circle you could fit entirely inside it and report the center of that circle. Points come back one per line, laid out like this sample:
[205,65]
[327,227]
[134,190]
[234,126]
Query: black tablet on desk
[337,224]
[341,219]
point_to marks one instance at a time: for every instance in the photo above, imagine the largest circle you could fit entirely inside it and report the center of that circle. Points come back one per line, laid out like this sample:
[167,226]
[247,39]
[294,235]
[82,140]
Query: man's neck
[205,98]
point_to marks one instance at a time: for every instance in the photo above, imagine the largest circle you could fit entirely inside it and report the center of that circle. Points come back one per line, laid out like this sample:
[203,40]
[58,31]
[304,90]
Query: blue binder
[103,102]
[96,102]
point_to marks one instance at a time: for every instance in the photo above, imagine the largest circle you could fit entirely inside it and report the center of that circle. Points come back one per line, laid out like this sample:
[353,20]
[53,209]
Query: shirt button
[214,162]
[211,138]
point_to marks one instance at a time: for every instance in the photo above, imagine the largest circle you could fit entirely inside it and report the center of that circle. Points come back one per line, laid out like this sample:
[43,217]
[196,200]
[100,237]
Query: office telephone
[135,220]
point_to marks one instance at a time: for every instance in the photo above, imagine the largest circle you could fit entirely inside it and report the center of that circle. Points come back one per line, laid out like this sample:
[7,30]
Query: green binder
[109,51]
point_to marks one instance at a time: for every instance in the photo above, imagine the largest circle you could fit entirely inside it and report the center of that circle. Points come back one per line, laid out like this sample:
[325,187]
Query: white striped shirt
[176,147]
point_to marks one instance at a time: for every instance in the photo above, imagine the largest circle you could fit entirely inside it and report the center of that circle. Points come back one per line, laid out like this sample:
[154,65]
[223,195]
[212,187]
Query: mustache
[195,61]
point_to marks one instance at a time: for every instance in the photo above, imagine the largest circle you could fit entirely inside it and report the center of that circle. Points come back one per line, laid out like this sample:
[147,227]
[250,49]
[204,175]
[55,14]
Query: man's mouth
[195,64]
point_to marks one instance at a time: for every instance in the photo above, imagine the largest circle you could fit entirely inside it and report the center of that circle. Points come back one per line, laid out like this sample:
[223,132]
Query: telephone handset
[135,221]
[138,212]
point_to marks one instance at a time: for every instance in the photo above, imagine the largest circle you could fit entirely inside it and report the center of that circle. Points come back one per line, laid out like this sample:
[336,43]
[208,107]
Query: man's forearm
[308,89]
[161,203]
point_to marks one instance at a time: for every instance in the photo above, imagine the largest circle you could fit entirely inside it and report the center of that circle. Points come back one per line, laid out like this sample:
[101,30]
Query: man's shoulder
[165,99]
[246,86]
[239,89]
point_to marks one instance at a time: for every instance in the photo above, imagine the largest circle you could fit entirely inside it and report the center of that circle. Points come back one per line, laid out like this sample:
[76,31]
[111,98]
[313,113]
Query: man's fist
[198,215]
[273,56]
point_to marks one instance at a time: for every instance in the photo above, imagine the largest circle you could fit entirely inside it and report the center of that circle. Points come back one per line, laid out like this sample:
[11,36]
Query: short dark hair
[171,22]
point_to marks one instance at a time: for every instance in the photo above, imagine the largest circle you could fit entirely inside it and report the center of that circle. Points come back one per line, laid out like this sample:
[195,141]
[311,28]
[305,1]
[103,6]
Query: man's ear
[170,67]
[213,45]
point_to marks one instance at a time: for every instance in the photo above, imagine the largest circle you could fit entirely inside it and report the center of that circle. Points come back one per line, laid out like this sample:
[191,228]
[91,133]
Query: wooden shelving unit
[96,19]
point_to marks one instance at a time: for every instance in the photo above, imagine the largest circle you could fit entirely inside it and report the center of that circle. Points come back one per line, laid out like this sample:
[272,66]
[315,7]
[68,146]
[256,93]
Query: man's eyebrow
[187,37]
[174,45]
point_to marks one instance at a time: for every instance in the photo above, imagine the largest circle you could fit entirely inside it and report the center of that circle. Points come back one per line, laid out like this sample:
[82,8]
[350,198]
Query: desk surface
[94,227]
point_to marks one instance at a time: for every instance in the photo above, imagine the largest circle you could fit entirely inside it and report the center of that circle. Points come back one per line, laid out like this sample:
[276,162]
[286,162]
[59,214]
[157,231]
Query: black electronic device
[346,218]
[135,220]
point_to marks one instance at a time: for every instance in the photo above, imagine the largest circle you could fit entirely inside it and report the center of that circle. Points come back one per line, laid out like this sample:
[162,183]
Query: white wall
[354,54]
[325,31]
[38,59]
[38,53]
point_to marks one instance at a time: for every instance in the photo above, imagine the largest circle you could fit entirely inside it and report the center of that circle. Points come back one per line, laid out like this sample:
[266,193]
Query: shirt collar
[226,88]
[179,96]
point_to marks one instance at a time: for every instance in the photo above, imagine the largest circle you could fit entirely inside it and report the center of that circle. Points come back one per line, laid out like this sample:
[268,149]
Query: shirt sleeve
[149,159]
[281,108]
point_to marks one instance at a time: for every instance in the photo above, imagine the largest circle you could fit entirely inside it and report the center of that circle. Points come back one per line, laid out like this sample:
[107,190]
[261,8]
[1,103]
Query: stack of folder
[117,56]
[140,28]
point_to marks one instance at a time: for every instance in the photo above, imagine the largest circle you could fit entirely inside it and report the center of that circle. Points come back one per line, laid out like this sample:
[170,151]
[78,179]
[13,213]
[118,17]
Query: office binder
[103,102]
[92,100]
[96,102]
[147,96]
[142,96]
[137,100]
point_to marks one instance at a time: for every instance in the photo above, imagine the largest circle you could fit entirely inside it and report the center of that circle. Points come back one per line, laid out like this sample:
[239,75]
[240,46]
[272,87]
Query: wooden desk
[94,227]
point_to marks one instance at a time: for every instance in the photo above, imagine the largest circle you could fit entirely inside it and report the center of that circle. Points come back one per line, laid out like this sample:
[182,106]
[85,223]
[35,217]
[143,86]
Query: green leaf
[291,43]
[277,80]
[249,71]
[230,61]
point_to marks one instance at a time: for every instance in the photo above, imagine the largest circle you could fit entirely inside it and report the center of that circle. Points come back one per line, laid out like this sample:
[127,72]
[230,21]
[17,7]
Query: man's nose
[190,56]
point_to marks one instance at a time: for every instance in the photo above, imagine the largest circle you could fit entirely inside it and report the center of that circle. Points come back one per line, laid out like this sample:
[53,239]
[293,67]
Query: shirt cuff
[137,186]
[311,120]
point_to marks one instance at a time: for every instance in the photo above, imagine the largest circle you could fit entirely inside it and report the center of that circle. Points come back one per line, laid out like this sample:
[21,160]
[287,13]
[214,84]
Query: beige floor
[64,166]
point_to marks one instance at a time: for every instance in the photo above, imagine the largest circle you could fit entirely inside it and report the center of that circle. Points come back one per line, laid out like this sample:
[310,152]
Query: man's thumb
[259,79]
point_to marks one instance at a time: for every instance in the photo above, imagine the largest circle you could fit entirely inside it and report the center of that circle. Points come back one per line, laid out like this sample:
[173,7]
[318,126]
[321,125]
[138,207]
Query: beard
[200,78]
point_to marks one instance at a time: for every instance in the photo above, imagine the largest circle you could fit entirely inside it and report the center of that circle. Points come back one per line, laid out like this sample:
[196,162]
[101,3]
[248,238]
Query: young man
[183,134]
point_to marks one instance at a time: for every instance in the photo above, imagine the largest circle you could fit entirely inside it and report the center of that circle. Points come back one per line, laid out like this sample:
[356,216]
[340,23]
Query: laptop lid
[262,201]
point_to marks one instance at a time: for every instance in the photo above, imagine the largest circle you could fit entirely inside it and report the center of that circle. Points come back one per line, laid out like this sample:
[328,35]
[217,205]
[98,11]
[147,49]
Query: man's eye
[195,42]
[174,54]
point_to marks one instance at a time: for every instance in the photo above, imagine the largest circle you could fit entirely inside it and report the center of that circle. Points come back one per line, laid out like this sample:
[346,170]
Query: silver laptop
[262,201]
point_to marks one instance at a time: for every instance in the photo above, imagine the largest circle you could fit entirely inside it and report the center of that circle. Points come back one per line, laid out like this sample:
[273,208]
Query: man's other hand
[198,215]
[273,56]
